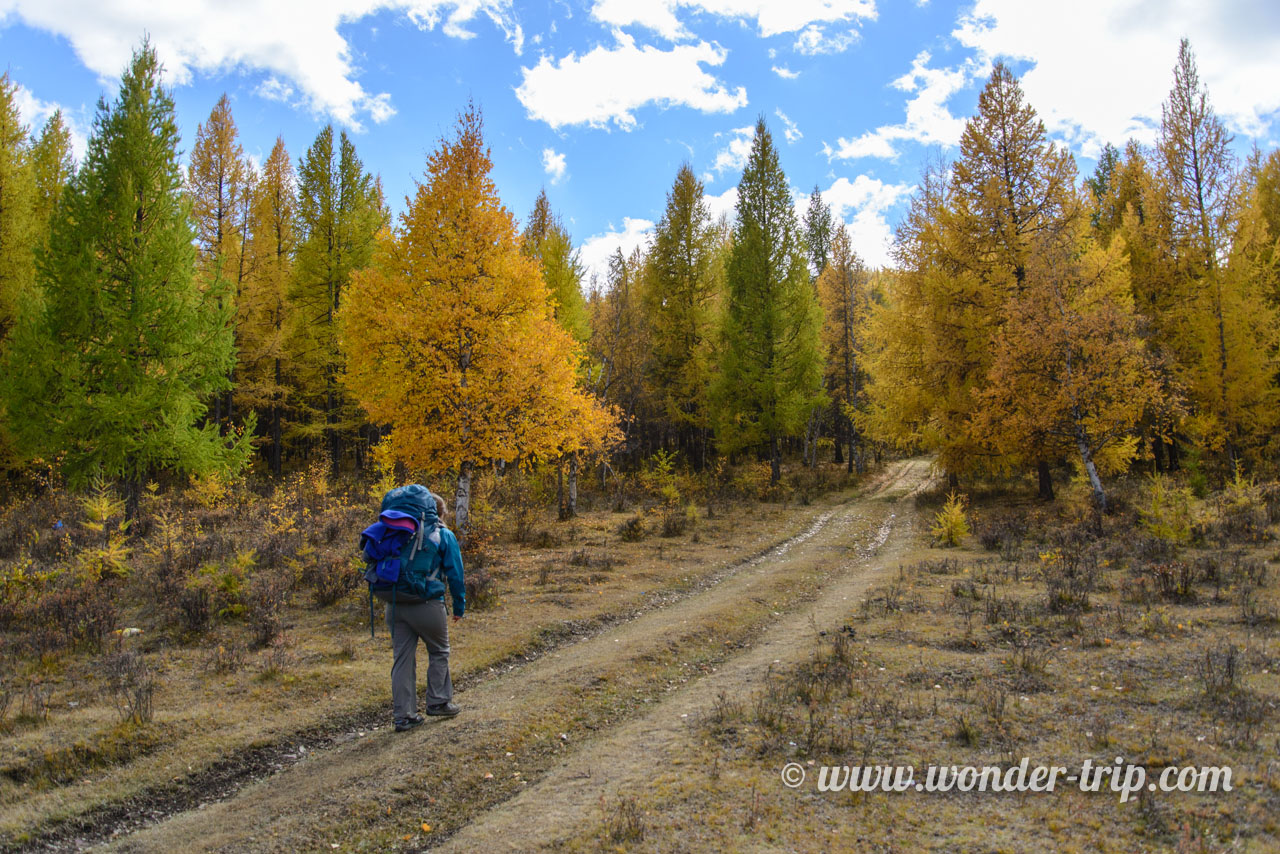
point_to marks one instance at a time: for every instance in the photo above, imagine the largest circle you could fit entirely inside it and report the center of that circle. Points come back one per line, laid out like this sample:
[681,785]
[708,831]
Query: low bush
[950,524]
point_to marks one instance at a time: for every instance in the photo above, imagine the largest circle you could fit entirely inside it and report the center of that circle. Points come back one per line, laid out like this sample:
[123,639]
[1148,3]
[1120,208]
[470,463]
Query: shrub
[752,481]
[1004,534]
[482,593]
[107,553]
[1174,580]
[1219,671]
[266,597]
[331,580]
[1166,514]
[633,529]
[1241,513]
[132,685]
[226,658]
[950,526]
[1069,573]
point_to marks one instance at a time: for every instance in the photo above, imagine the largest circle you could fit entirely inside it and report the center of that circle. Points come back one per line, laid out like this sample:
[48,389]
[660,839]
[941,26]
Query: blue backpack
[402,549]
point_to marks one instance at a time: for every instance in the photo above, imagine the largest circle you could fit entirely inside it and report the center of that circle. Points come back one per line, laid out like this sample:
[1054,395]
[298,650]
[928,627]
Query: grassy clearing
[1037,638]
[253,643]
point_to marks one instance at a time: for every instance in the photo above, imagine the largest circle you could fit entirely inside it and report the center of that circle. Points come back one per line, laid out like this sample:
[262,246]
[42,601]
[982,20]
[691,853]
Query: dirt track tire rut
[282,811]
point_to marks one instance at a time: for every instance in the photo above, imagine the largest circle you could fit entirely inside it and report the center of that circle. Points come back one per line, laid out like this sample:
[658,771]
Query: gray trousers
[428,621]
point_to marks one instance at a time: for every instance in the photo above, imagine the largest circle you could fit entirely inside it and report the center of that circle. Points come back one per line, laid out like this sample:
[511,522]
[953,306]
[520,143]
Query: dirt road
[501,773]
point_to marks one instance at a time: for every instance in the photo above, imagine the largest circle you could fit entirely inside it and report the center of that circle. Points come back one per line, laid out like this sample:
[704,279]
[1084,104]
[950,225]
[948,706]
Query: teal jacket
[450,571]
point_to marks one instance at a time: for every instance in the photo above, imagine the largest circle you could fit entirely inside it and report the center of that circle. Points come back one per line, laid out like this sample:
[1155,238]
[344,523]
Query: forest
[213,368]
[210,320]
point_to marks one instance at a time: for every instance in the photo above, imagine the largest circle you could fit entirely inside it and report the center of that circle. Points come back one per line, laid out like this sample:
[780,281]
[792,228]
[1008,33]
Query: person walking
[415,606]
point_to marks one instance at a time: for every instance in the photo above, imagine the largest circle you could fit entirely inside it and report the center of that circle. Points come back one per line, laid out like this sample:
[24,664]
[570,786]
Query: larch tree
[843,292]
[679,306]
[1239,368]
[1264,183]
[771,363]
[52,165]
[340,212]
[1218,325]
[620,347]
[1012,188]
[819,232]
[928,341]
[1131,212]
[17,202]
[1069,371]
[18,232]
[220,182]
[964,249]
[546,239]
[450,338]
[127,348]
[264,309]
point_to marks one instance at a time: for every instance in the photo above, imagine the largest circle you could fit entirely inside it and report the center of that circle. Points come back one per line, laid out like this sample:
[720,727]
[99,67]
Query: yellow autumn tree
[220,184]
[264,310]
[1069,373]
[449,335]
[928,340]
[1220,327]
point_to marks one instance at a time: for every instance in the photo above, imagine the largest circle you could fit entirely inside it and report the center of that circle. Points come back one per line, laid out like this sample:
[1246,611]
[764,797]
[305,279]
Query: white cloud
[785,73]
[608,85]
[733,156]
[814,40]
[862,204]
[35,113]
[928,120]
[653,15]
[790,130]
[771,16]
[1132,46]
[724,204]
[597,250]
[297,43]
[553,164]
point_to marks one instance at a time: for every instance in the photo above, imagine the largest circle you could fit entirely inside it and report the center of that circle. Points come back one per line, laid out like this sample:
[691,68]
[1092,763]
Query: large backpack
[402,549]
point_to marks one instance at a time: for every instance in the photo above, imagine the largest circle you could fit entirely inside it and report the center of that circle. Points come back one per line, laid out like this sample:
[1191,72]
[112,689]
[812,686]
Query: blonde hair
[441,507]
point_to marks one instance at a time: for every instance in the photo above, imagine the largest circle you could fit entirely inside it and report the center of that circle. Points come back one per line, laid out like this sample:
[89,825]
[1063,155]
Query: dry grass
[244,653]
[1045,644]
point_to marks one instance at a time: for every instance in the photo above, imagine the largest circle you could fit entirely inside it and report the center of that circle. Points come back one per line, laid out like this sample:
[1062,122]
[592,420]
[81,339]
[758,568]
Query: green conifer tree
[771,359]
[126,347]
[680,301]
[340,211]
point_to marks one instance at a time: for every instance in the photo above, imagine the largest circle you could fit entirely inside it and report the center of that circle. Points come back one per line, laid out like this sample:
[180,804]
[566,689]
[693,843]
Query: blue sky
[600,101]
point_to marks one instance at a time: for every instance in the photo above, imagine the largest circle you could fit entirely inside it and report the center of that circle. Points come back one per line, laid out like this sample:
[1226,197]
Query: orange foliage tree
[450,337]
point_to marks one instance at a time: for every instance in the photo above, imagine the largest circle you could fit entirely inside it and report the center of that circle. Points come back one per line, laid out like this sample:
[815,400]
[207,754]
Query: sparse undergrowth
[1157,641]
[227,613]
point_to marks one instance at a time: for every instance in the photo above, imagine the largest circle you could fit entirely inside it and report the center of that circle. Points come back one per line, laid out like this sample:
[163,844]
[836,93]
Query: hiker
[412,556]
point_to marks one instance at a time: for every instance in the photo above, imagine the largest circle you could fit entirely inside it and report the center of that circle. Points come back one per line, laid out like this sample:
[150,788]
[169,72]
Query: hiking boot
[406,724]
[443,710]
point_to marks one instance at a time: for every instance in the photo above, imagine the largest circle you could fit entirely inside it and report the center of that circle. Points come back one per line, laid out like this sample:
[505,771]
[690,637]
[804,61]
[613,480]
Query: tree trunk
[561,512]
[811,440]
[132,488]
[1046,480]
[462,503]
[775,461]
[1099,496]
[1157,452]
[953,480]
[571,506]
